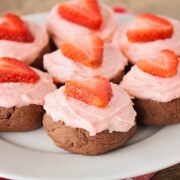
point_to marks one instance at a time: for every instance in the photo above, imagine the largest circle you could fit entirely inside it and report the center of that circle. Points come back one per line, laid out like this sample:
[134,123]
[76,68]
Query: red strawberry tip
[15,71]
[13,28]
[164,65]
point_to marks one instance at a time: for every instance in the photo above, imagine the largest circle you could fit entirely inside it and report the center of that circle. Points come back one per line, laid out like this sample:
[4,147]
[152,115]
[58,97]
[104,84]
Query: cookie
[27,41]
[136,43]
[70,62]
[38,63]
[155,113]
[19,119]
[154,84]
[117,79]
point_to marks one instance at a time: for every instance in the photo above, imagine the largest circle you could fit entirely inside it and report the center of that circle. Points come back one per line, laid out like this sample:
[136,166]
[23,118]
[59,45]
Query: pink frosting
[137,51]
[27,52]
[23,94]
[142,85]
[118,115]
[61,29]
[62,69]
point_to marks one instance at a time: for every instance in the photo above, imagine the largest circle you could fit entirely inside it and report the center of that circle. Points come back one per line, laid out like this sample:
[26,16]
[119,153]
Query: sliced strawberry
[92,5]
[12,70]
[95,91]
[149,27]
[13,28]
[119,9]
[86,13]
[89,53]
[165,64]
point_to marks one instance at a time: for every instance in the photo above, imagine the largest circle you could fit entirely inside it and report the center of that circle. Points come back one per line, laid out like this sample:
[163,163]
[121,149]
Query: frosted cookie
[154,83]
[84,59]
[76,19]
[89,117]
[146,35]
[23,39]
[22,91]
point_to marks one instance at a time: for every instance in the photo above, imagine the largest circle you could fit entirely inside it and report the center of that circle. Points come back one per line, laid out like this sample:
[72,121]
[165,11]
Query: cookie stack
[84,97]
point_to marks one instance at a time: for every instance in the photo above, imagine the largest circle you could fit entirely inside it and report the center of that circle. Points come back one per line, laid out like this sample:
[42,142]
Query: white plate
[32,155]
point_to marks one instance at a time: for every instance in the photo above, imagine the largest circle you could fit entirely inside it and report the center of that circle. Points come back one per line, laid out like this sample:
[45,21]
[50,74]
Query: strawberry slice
[12,70]
[118,9]
[95,91]
[165,64]
[85,12]
[13,28]
[88,53]
[149,27]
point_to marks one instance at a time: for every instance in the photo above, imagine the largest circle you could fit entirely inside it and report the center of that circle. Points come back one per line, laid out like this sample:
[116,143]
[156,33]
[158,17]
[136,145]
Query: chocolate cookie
[53,47]
[79,141]
[38,63]
[17,119]
[150,112]
[117,79]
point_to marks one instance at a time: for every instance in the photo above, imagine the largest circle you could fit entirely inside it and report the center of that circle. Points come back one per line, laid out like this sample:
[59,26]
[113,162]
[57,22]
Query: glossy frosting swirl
[118,115]
[142,85]
[23,94]
[27,52]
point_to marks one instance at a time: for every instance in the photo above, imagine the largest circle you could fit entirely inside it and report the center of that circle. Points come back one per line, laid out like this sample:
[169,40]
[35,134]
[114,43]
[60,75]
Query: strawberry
[119,9]
[149,27]
[12,70]
[165,64]
[89,53]
[95,91]
[86,13]
[13,28]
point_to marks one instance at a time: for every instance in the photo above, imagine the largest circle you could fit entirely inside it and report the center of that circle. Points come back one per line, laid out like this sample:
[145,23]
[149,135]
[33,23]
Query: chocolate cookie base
[79,141]
[117,79]
[150,112]
[19,119]
[38,63]
[53,45]
[128,67]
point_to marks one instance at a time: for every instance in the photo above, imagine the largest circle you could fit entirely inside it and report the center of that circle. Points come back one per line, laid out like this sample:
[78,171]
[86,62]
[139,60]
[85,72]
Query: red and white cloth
[144,177]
